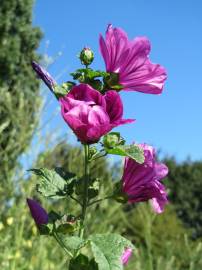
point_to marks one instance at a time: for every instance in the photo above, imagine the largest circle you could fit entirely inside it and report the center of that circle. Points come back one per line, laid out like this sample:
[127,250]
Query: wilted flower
[38,213]
[129,59]
[90,114]
[44,75]
[126,255]
[141,182]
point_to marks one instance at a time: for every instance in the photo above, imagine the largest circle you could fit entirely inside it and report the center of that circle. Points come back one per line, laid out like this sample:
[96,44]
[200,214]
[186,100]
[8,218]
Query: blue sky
[171,121]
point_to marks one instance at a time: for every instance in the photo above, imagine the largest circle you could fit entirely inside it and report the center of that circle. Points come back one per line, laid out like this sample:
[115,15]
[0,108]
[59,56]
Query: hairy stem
[85,190]
[60,242]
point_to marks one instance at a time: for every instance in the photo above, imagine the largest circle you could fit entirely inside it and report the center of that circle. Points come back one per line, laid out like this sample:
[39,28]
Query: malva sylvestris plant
[91,106]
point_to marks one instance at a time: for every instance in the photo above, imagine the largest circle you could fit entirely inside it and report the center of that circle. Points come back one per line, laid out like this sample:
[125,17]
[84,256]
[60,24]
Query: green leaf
[93,265]
[50,183]
[81,262]
[70,179]
[94,187]
[89,73]
[108,249]
[111,81]
[132,151]
[89,76]
[73,242]
[60,91]
[53,216]
[96,84]
[45,229]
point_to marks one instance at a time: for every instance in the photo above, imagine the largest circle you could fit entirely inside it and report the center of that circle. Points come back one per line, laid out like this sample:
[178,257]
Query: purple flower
[38,213]
[126,255]
[141,182]
[44,75]
[90,114]
[129,58]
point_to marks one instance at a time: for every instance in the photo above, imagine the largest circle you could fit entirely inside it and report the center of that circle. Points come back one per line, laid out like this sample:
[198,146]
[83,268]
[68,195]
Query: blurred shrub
[161,241]
[185,184]
[19,88]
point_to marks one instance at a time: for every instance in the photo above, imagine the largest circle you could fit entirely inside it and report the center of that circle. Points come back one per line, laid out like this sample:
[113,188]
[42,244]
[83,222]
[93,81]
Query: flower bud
[38,213]
[86,56]
[44,75]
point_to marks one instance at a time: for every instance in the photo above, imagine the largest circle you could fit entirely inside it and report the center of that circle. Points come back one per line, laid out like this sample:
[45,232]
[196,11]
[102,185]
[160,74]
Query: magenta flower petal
[114,105]
[44,75]
[126,255]
[161,170]
[158,204]
[38,213]
[141,182]
[90,114]
[130,60]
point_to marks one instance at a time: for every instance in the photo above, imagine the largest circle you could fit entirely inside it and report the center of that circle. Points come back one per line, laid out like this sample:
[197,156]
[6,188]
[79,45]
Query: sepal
[67,224]
[63,90]
[112,81]
[118,194]
[112,139]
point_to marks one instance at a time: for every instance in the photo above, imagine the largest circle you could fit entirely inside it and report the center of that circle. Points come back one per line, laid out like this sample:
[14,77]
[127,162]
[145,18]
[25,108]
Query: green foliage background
[163,242]
[19,90]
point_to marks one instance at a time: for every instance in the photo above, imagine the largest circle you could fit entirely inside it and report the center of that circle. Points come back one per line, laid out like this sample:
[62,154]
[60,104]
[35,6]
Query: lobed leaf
[51,183]
[108,249]
[132,151]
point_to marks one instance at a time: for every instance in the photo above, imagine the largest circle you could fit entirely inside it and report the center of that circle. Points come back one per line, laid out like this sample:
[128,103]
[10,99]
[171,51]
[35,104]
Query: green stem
[99,200]
[85,190]
[60,242]
[76,200]
[97,157]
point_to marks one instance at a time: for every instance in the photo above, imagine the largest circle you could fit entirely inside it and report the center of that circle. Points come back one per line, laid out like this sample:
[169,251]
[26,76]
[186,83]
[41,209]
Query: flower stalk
[85,190]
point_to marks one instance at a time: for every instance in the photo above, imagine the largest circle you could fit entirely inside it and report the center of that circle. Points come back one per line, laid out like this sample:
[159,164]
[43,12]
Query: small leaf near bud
[67,224]
[92,152]
[112,139]
[94,187]
[86,56]
[111,81]
[118,195]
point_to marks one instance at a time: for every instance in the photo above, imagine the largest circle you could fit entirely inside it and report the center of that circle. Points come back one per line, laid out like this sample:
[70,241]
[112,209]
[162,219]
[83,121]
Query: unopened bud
[86,56]
[38,213]
[44,75]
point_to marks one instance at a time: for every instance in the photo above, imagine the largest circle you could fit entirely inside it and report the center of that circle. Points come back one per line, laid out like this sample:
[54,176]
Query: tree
[19,88]
[185,184]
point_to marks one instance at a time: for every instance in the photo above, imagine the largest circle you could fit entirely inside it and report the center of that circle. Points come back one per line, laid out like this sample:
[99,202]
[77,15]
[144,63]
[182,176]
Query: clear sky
[171,121]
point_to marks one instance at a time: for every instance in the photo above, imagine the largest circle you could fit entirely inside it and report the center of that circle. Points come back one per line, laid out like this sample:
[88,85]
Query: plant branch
[99,200]
[60,242]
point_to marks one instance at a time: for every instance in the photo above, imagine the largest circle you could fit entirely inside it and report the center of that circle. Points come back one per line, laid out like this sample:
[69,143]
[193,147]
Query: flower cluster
[93,107]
